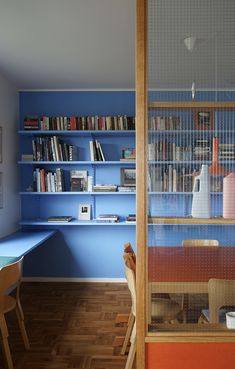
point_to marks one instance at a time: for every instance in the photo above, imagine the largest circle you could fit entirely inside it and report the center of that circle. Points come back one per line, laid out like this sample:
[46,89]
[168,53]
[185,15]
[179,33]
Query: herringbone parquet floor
[70,325]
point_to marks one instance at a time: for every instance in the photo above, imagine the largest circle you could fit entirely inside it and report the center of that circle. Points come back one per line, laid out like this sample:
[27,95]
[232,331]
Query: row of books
[80,181]
[96,152]
[169,151]
[170,179]
[53,149]
[117,122]
[44,181]
[165,123]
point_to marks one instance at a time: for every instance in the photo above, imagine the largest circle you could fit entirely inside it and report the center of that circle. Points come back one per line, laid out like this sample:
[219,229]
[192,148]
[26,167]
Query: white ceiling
[90,44]
[68,43]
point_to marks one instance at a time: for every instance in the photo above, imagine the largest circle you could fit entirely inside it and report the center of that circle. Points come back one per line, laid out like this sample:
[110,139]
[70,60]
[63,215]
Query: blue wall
[83,251]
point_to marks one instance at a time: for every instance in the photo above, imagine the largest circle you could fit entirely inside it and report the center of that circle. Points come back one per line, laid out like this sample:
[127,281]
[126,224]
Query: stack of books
[110,218]
[105,188]
[31,123]
[131,218]
[63,218]
[126,189]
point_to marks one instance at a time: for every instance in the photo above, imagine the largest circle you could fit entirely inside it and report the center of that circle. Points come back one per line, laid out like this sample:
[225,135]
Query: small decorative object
[84,212]
[128,154]
[203,120]
[229,196]
[201,194]
[128,177]
[230,320]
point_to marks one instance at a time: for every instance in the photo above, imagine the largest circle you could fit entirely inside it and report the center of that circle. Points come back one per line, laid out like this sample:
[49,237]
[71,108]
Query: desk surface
[192,264]
[22,242]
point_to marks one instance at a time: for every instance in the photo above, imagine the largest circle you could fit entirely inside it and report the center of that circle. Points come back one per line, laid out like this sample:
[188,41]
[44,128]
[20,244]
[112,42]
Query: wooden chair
[10,276]
[221,295]
[162,309]
[194,243]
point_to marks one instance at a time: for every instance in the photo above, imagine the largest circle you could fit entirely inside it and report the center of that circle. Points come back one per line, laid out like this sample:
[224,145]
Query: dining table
[179,270]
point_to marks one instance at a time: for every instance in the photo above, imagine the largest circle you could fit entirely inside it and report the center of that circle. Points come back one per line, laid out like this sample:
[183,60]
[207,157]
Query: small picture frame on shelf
[128,154]
[203,120]
[128,177]
[84,212]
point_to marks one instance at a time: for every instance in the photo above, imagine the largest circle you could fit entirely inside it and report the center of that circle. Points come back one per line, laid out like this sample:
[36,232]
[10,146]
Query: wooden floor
[70,325]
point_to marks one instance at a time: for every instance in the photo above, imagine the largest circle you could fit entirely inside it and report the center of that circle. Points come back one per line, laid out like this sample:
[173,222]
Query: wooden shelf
[190,220]
[190,105]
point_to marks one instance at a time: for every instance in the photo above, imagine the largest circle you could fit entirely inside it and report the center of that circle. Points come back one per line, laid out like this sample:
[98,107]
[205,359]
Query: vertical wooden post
[141,177]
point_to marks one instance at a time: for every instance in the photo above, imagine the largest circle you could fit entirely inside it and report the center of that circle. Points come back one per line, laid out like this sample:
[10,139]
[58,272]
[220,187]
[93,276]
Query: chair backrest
[221,294]
[128,250]
[199,243]
[130,276]
[10,275]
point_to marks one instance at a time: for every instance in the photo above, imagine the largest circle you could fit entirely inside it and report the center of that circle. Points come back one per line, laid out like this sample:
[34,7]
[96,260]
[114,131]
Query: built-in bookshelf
[179,143]
[62,167]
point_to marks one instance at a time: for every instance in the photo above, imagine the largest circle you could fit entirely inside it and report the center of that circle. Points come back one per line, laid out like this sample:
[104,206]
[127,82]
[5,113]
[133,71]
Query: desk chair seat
[10,275]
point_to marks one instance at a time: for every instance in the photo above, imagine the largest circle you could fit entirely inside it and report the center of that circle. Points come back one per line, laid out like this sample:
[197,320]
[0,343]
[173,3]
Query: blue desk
[4,260]
[21,243]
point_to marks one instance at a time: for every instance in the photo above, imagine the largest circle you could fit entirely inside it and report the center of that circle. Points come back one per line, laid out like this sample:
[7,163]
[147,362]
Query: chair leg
[5,344]
[132,351]
[128,333]
[20,317]
[185,306]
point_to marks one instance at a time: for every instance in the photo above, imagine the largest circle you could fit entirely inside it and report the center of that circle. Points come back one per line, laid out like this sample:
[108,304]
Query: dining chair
[221,298]
[165,310]
[10,276]
[194,243]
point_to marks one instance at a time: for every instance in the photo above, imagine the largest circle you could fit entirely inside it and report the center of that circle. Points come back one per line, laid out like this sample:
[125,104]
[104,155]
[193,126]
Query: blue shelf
[71,193]
[78,133]
[121,163]
[73,223]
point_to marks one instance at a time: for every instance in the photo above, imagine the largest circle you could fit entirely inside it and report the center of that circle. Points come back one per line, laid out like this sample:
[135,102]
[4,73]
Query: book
[62,218]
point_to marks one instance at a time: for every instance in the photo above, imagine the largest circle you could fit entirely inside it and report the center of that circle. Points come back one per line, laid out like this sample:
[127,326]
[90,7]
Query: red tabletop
[190,264]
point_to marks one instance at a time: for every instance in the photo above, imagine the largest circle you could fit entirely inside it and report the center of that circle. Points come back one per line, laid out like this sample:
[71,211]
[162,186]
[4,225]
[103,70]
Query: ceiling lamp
[190,43]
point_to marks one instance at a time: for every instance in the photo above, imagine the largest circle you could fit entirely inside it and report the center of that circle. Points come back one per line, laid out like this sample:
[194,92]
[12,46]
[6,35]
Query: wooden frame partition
[141,180]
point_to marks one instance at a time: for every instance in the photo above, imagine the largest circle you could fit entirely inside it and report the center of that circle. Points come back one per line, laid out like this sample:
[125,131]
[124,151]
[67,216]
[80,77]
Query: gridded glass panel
[191,163]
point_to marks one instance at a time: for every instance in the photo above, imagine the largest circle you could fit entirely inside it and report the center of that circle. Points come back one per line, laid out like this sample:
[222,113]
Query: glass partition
[191,165]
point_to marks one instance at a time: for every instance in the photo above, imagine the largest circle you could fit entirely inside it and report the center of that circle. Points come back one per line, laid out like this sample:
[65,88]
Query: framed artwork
[0,144]
[203,120]
[84,212]
[128,177]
